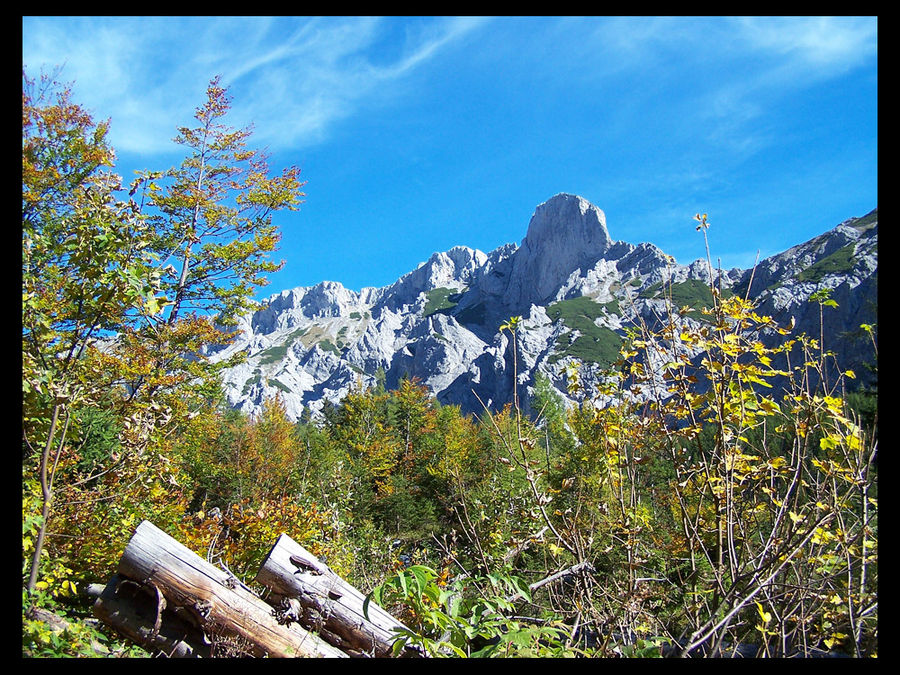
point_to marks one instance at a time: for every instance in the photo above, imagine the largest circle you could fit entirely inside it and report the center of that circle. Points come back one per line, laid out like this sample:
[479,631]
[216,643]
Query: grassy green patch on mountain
[867,221]
[691,293]
[441,300]
[601,345]
[273,354]
[329,346]
[836,263]
[577,313]
[250,382]
[652,291]
[594,343]
[278,352]
[612,307]
[280,385]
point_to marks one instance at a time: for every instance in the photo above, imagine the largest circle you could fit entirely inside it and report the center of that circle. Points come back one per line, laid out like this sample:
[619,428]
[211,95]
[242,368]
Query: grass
[274,354]
[612,307]
[600,346]
[252,381]
[278,352]
[281,385]
[441,300]
[593,343]
[836,263]
[691,293]
[652,291]
[576,313]
[864,223]
[329,346]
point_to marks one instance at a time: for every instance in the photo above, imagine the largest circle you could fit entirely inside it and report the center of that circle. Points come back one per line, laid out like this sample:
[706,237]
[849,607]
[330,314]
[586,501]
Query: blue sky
[419,134]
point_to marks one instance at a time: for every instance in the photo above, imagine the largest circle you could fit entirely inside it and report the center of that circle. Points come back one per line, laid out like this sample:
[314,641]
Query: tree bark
[134,612]
[315,595]
[216,602]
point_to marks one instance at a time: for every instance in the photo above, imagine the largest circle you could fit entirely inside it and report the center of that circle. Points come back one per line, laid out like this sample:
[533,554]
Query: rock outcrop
[575,287]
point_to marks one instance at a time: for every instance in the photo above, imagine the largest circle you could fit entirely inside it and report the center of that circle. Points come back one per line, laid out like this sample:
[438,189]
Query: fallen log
[133,611]
[213,600]
[310,592]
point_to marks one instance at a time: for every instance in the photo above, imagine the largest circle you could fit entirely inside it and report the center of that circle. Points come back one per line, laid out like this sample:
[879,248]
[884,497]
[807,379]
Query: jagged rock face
[566,235]
[575,287]
[844,260]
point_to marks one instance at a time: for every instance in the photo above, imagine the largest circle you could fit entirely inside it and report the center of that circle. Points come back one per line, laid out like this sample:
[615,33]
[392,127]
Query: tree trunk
[315,595]
[229,614]
[134,612]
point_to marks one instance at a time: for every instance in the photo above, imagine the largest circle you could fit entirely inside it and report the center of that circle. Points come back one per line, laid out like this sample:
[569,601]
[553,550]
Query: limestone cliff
[576,288]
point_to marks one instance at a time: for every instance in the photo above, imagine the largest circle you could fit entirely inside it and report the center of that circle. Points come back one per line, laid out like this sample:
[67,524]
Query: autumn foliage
[717,492]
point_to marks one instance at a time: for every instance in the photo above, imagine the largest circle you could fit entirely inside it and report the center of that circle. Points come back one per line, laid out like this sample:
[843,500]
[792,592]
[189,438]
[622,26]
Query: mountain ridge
[440,322]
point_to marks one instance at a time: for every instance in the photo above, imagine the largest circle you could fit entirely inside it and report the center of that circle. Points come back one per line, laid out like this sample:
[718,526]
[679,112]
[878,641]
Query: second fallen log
[214,600]
[297,576]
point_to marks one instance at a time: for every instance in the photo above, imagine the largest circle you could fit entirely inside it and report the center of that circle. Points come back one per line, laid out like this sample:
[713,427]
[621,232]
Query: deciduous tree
[85,269]
[124,295]
[212,215]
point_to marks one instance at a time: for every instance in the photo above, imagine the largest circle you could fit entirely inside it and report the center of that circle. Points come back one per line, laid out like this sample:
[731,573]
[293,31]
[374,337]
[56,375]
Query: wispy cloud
[714,81]
[325,71]
[296,77]
[773,59]
[827,45]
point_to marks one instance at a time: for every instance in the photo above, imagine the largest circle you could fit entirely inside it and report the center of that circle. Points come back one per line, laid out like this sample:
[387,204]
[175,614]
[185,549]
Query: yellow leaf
[769,406]
[828,443]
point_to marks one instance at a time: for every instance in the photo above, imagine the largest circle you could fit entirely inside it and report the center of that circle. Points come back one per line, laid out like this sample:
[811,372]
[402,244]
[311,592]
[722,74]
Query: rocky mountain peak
[448,269]
[566,233]
[570,220]
[577,289]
